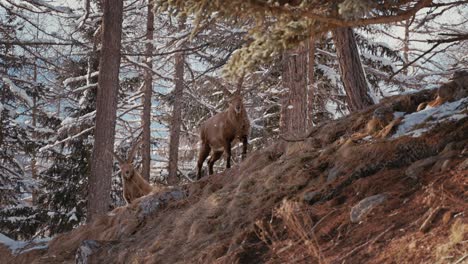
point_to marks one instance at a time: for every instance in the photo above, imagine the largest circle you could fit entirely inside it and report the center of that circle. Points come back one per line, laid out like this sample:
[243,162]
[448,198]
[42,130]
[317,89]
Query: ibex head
[235,102]
[126,166]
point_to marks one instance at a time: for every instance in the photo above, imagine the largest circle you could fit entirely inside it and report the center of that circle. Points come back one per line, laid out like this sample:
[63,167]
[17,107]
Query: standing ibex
[134,185]
[218,132]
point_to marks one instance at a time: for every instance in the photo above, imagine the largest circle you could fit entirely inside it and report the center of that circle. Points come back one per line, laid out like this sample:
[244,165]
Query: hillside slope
[326,199]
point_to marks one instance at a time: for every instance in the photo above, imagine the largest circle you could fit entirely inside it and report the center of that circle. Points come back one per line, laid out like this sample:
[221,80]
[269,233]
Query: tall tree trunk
[407,24]
[352,73]
[293,121]
[34,136]
[148,92]
[106,106]
[176,120]
[310,81]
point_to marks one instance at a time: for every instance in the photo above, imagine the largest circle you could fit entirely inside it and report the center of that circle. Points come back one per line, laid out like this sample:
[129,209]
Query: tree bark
[99,187]
[34,136]
[148,92]
[407,24]
[293,121]
[176,120]
[352,73]
[310,81]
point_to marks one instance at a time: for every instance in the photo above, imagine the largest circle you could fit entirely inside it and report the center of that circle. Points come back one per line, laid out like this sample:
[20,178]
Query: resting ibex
[218,132]
[134,185]
[380,125]
[453,90]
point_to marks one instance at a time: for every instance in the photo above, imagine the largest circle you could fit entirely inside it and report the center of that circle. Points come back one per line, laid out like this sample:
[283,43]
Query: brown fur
[461,78]
[218,132]
[451,91]
[380,125]
[134,185]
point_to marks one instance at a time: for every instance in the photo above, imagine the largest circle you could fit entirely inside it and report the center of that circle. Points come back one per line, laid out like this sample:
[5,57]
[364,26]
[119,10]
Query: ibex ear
[131,154]
[119,159]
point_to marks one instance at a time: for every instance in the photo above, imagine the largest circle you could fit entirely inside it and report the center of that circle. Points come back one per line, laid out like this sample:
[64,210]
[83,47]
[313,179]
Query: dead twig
[461,259]
[366,244]
[321,219]
[427,223]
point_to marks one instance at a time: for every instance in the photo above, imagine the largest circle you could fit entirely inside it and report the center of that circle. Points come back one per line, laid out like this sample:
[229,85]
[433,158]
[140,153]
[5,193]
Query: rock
[86,250]
[449,147]
[333,173]
[362,208]
[311,197]
[415,169]
[463,165]
[152,203]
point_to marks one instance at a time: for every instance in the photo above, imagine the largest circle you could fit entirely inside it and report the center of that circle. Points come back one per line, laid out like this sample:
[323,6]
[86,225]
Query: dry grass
[456,244]
[292,237]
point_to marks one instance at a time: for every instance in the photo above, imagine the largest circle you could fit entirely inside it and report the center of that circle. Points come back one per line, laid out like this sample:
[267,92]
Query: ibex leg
[216,155]
[245,144]
[227,149]
[204,152]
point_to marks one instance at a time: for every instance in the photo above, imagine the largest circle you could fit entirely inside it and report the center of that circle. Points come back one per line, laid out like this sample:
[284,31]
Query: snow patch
[24,246]
[416,124]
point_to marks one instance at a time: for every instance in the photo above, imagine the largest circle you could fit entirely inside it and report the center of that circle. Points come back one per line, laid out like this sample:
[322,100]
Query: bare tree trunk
[293,121]
[310,83]
[99,187]
[34,136]
[352,73]
[407,24]
[148,92]
[35,190]
[176,120]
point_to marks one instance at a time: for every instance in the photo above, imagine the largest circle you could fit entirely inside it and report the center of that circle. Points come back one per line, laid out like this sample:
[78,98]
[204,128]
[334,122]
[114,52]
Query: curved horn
[131,154]
[119,159]
[239,84]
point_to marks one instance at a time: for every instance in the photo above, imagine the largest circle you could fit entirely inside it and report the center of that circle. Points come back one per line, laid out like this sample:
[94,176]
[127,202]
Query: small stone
[445,165]
[362,208]
[311,197]
[333,174]
[463,165]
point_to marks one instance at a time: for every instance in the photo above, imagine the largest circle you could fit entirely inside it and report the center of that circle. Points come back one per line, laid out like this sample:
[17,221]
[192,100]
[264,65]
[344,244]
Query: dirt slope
[322,200]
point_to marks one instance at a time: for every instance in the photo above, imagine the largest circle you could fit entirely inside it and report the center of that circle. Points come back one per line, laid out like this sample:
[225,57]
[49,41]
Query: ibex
[218,132]
[453,90]
[380,125]
[134,185]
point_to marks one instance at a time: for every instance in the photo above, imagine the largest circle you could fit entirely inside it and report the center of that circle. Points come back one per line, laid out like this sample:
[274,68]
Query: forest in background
[174,70]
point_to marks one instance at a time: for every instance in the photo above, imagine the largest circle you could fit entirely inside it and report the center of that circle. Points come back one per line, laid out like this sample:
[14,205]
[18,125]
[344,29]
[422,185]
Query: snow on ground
[417,123]
[23,246]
